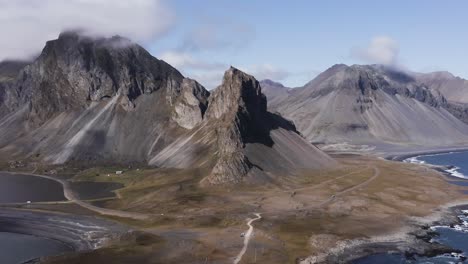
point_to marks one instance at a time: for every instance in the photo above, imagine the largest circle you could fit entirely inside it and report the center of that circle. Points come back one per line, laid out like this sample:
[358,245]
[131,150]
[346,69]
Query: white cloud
[266,71]
[27,24]
[381,50]
[208,37]
[209,74]
[183,60]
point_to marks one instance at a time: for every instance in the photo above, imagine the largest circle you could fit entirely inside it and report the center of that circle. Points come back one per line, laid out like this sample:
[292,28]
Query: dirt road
[247,237]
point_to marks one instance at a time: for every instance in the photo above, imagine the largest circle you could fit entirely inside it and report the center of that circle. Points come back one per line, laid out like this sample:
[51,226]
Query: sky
[286,41]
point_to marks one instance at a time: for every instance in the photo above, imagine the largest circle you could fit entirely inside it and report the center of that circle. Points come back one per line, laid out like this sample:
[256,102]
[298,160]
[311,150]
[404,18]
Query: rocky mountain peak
[234,108]
[75,70]
[239,93]
[237,110]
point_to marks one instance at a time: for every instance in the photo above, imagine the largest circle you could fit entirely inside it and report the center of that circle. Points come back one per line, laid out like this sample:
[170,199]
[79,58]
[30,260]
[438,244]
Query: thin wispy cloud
[380,50]
[208,73]
[28,24]
[207,36]
[185,60]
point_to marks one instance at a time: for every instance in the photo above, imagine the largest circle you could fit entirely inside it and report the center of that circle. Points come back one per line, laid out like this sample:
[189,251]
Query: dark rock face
[235,106]
[239,99]
[75,70]
[238,112]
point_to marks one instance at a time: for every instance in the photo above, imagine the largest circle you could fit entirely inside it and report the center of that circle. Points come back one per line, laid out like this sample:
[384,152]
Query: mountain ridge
[372,104]
[108,101]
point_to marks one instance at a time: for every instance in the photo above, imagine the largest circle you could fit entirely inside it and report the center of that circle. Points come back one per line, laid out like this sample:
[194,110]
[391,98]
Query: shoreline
[446,215]
[401,156]
[77,232]
[412,239]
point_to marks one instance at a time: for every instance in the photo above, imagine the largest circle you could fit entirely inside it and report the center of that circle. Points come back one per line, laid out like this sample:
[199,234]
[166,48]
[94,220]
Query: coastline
[77,232]
[412,239]
[401,156]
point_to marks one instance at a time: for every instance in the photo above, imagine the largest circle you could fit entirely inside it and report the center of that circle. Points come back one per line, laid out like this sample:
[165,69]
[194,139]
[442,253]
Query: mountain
[372,104]
[108,101]
[455,89]
[275,91]
[99,100]
[252,142]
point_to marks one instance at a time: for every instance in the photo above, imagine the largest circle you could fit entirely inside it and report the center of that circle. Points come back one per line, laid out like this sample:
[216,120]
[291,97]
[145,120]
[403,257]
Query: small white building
[119,172]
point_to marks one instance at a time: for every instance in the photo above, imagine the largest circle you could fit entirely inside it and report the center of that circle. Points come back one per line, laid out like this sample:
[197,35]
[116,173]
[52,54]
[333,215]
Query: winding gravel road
[247,237]
[355,187]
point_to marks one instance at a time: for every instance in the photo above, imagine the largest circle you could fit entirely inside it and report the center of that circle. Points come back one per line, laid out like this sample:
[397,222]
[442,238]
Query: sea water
[18,248]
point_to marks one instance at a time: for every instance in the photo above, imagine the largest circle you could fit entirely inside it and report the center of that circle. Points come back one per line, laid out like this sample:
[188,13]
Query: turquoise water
[17,248]
[456,237]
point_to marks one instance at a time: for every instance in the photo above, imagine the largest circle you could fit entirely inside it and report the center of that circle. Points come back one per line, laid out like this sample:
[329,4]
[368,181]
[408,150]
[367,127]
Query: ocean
[18,248]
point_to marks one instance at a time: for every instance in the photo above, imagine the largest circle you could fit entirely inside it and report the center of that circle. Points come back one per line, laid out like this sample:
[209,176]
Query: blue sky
[292,42]
[287,41]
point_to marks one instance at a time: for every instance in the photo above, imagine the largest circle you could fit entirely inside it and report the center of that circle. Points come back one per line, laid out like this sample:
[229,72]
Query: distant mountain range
[376,105]
[108,101]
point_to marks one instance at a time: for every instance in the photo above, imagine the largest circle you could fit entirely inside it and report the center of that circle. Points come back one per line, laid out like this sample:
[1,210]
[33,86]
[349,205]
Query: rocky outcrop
[237,111]
[372,105]
[235,107]
[191,105]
